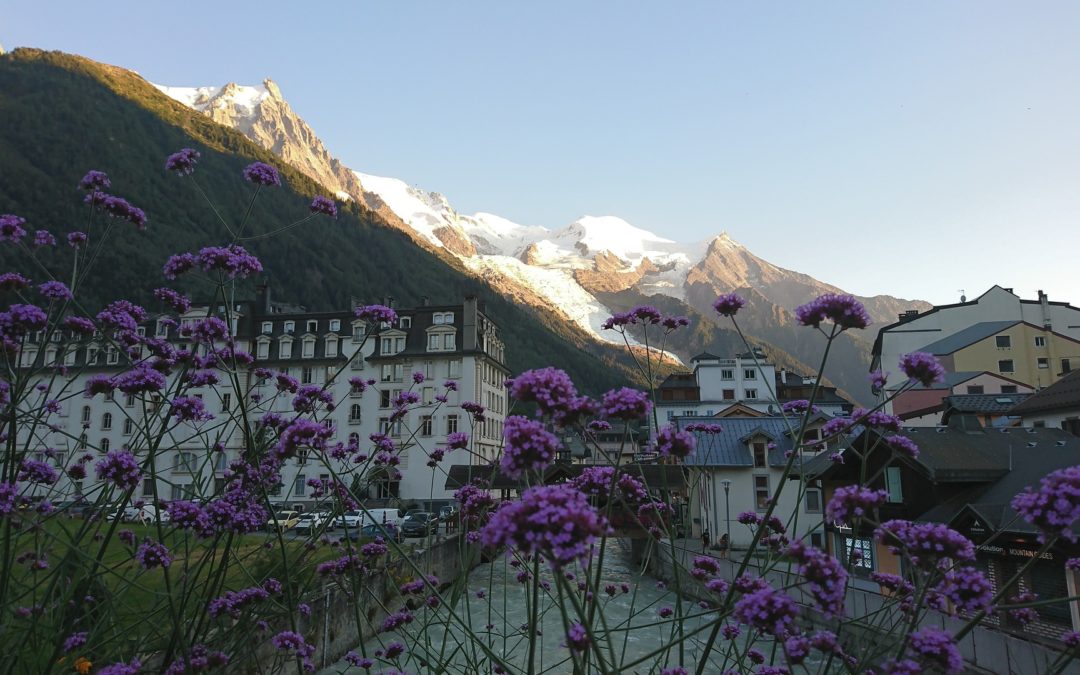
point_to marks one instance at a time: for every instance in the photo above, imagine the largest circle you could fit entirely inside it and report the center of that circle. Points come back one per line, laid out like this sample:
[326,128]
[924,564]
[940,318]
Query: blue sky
[912,148]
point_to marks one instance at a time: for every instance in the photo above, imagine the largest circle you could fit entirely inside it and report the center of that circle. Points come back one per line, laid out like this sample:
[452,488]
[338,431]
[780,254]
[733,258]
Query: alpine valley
[586,269]
[550,289]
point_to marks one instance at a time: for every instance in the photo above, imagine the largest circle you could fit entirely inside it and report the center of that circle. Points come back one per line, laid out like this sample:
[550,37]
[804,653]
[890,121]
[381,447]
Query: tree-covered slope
[61,115]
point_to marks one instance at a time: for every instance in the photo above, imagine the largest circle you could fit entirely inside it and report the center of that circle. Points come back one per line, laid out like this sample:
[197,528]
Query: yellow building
[1018,350]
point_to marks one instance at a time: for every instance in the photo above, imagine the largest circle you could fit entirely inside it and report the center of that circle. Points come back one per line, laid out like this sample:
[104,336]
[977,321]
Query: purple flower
[288,641]
[323,205]
[176,301]
[923,368]
[95,180]
[153,554]
[728,304]
[550,388]
[673,322]
[354,659]
[704,428]
[190,409]
[529,446]
[13,281]
[555,521]
[926,544]
[78,324]
[670,442]
[825,577]
[768,610]
[233,260]
[1071,639]
[457,440]
[577,638]
[120,468]
[34,471]
[1023,615]
[122,209]
[936,648]
[798,407]
[666,612]
[626,403]
[843,310]
[44,238]
[394,650]
[376,314]
[261,173]
[11,227]
[1055,506]
[176,264]
[878,379]
[55,290]
[74,641]
[853,501]
[967,588]
[183,161]
[903,445]
[122,668]
[77,239]
[139,380]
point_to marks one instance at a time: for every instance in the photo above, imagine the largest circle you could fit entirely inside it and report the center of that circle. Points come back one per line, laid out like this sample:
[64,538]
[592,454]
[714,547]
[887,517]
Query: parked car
[145,514]
[311,522]
[350,520]
[283,520]
[448,514]
[387,531]
[420,524]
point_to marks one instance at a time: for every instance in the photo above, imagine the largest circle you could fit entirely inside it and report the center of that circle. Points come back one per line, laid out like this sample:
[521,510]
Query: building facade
[457,344]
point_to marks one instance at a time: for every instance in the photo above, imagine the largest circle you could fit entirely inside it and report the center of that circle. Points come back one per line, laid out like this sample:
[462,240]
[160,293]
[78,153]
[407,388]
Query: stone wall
[985,649]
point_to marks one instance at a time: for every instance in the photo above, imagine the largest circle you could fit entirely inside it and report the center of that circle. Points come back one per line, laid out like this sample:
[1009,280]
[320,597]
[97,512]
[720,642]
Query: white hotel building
[455,342]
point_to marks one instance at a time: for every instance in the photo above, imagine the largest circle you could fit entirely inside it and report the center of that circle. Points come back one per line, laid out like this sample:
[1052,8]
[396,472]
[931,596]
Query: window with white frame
[290,327]
[129,426]
[184,462]
[300,485]
[359,330]
[727,374]
[454,367]
[750,394]
[425,425]
[1040,341]
[859,552]
[105,445]
[106,421]
[91,356]
[312,325]
[226,402]
[308,350]
[86,414]
[813,500]
[331,347]
[451,424]
[761,493]
[405,322]
[449,342]
[267,327]
[162,328]
[306,375]
[355,412]
[893,485]
[285,349]
[335,325]
[749,373]
[262,349]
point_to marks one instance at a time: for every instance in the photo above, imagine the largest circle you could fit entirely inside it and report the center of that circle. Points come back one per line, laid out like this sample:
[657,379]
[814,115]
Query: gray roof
[968,336]
[951,380]
[1065,393]
[984,403]
[729,447]
[991,502]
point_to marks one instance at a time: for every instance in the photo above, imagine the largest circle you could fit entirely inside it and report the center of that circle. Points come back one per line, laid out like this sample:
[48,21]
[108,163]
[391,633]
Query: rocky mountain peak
[273,90]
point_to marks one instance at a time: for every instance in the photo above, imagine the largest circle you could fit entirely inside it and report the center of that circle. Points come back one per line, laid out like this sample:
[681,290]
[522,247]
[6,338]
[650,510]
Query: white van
[383,516]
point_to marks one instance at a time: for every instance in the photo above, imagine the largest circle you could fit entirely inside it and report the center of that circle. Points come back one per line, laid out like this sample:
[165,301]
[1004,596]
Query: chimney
[1044,300]
[469,323]
[908,315]
[263,294]
[783,376]
[425,301]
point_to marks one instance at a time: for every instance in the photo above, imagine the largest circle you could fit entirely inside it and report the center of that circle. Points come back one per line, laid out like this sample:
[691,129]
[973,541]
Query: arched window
[86,414]
[82,442]
[106,421]
[354,440]
[354,413]
[104,445]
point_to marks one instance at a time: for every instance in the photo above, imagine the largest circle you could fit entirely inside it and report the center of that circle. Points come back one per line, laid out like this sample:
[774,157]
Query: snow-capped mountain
[570,267]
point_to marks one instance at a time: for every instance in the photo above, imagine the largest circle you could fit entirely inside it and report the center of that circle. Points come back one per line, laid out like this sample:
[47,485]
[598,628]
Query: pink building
[922,406]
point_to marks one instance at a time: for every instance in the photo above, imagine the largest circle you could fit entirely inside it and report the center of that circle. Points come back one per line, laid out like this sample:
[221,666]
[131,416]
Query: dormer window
[309,348]
[267,327]
[290,327]
[312,325]
[359,330]
[442,318]
[335,325]
[285,348]
[331,347]
[262,349]
[405,322]
[162,328]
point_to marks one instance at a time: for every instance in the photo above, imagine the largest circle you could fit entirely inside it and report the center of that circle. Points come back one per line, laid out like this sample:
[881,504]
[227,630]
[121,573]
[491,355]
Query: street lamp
[726,483]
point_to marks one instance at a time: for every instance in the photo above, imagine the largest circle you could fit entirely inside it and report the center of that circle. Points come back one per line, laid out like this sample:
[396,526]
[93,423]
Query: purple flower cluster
[11,227]
[44,238]
[95,180]
[376,314]
[119,208]
[878,379]
[967,589]
[34,471]
[625,403]
[475,504]
[936,648]
[577,638]
[823,574]
[923,368]
[549,388]
[529,446]
[323,205]
[183,161]
[768,610]
[927,544]
[555,521]
[176,301]
[139,380]
[903,445]
[190,409]
[233,602]
[293,643]
[704,428]
[120,468]
[843,310]
[728,304]
[671,442]
[261,173]
[1055,507]
[798,407]
[853,501]
[233,260]
[13,281]
[153,554]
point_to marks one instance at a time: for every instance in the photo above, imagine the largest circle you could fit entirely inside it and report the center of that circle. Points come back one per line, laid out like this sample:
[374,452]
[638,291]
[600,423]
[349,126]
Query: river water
[630,624]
